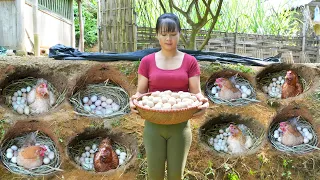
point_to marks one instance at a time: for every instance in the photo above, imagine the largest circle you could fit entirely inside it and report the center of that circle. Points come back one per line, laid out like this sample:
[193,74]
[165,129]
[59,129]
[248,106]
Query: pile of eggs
[121,156]
[12,153]
[307,136]
[245,90]
[100,105]
[167,100]
[220,142]
[87,157]
[19,101]
[275,87]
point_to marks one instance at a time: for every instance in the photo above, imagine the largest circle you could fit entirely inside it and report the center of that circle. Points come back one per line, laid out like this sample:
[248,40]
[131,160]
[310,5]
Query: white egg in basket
[167,107]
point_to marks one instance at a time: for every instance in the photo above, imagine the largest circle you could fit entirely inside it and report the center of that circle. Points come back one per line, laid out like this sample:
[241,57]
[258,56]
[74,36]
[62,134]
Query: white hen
[238,141]
[40,99]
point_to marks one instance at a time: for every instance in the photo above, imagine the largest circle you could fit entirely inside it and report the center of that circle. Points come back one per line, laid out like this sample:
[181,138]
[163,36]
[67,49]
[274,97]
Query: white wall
[8,20]
[53,29]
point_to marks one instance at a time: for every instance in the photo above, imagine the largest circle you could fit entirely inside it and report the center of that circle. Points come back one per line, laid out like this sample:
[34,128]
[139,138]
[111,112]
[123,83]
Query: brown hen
[31,156]
[105,159]
[291,136]
[291,86]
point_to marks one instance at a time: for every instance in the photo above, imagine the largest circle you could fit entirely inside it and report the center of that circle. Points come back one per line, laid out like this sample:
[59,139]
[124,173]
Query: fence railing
[253,45]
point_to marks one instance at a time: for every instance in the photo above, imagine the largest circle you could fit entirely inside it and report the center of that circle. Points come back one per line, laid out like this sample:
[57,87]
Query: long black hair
[168,22]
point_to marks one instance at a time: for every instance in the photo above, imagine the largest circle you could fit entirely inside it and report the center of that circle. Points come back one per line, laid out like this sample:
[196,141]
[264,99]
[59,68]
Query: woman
[168,69]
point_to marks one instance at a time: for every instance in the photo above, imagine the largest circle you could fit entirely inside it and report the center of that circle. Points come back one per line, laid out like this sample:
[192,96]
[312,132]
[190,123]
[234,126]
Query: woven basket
[174,116]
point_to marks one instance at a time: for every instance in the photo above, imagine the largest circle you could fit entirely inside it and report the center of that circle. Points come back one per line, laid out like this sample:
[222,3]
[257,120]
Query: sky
[286,3]
[279,5]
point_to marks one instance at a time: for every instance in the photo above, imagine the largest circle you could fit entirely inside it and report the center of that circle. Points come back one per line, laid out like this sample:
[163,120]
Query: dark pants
[169,143]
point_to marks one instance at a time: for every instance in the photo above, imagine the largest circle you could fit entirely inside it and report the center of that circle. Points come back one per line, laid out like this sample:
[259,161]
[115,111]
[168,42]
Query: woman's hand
[204,105]
[132,106]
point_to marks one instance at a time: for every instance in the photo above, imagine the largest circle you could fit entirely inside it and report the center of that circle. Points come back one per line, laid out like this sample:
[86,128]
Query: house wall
[8,24]
[53,29]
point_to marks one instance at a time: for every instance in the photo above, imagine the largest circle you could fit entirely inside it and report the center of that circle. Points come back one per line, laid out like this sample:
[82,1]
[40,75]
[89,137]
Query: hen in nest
[238,141]
[105,159]
[40,98]
[291,86]
[291,136]
[31,156]
[228,89]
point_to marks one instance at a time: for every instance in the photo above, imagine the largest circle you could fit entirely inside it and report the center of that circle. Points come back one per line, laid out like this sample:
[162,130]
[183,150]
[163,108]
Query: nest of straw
[77,149]
[267,79]
[9,90]
[235,102]
[316,95]
[257,135]
[299,149]
[42,170]
[116,93]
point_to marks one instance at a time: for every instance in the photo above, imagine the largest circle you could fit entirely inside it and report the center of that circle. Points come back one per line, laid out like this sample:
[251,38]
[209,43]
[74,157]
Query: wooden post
[104,22]
[81,38]
[21,34]
[303,36]
[73,33]
[99,25]
[135,27]
[36,47]
[302,57]
[235,38]
[318,53]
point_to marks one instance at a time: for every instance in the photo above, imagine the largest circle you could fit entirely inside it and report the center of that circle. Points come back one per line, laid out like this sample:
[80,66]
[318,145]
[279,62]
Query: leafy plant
[250,16]
[241,68]
[89,12]
[287,165]
[252,172]
[262,159]
[193,14]
[286,174]
[233,176]
[209,171]
[116,122]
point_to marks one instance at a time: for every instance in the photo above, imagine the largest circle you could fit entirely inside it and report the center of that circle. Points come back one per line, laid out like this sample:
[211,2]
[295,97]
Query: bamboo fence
[253,45]
[117,26]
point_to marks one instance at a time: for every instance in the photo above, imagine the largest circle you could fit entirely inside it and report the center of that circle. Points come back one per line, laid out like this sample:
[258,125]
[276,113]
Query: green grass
[2,128]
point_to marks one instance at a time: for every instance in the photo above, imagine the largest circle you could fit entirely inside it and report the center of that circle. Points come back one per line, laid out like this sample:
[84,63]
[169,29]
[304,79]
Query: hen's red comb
[44,85]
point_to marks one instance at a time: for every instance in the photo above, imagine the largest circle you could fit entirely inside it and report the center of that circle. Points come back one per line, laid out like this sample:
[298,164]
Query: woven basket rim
[135,102]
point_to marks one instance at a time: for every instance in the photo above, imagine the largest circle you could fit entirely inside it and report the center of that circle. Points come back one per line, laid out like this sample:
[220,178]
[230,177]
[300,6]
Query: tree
[89,11]
[81,38]
[204,16]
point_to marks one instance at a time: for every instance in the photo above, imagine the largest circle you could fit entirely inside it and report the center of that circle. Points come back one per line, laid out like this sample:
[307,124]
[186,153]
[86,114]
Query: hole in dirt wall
[101,73]
[210,130]
[120,140]
[308,77]
[305,121]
